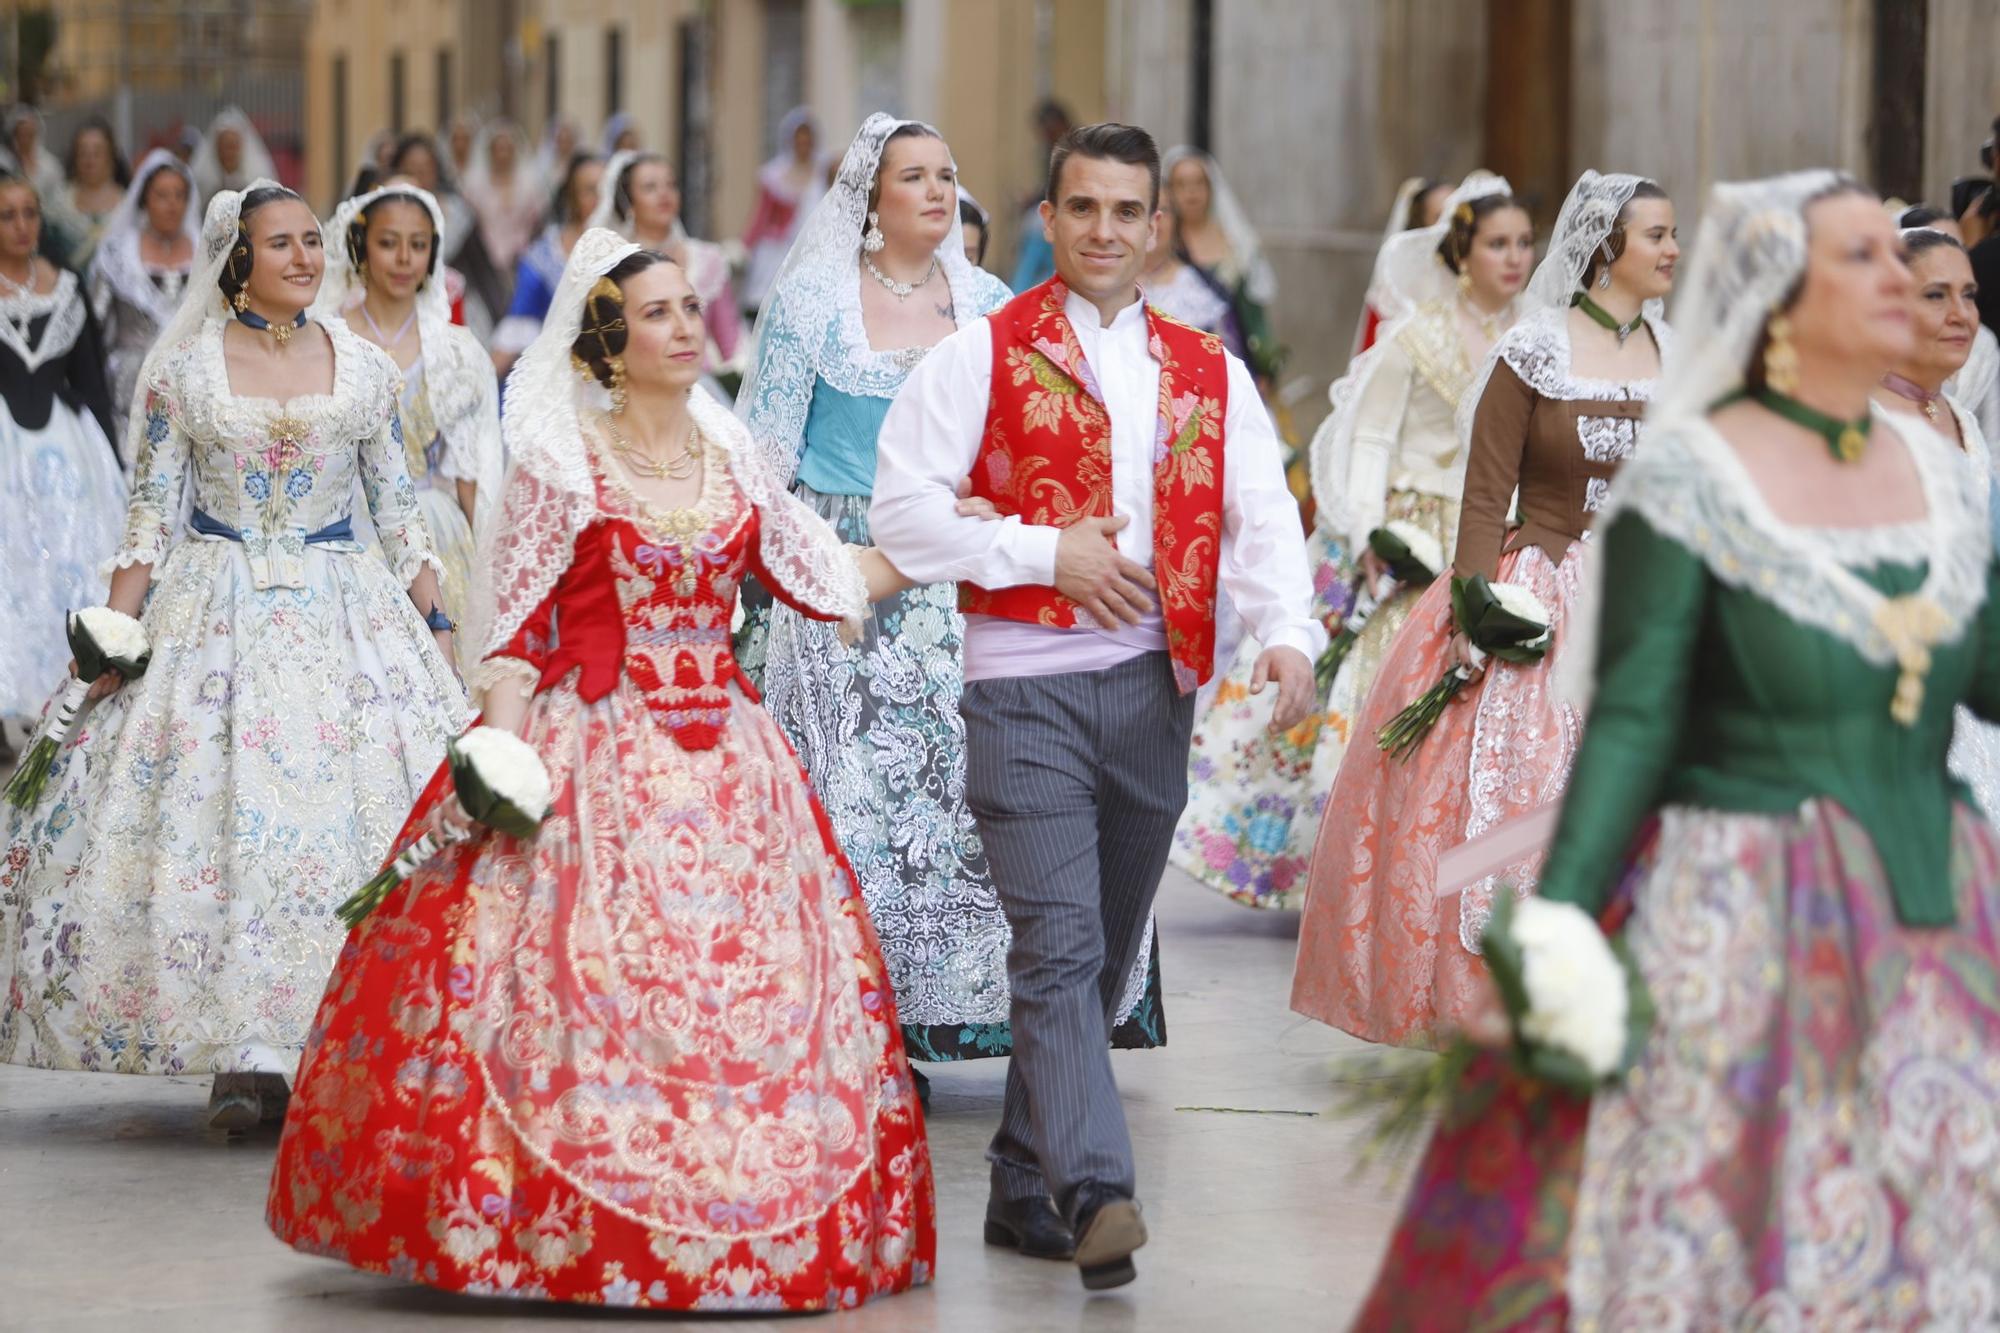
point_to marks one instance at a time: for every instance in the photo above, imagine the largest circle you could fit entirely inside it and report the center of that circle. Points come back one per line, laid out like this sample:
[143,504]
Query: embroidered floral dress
[651,1057]
[1254,799]
[1381,954]
[1808,1141]
[167,907]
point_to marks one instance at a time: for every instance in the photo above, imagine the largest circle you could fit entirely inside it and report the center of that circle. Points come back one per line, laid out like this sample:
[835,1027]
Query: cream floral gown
[167,906]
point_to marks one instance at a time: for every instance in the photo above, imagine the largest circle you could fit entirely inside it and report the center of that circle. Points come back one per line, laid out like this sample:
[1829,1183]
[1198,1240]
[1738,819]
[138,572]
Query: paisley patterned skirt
[1380,953]
[1254,799]
[878,729]
[649,1059]
[1809,1141]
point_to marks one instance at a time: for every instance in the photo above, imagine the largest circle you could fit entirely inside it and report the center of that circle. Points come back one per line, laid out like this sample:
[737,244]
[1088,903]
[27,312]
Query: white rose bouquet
[1501,620]
[1577,1015]
[101,640]
[1414,558]
[500,781]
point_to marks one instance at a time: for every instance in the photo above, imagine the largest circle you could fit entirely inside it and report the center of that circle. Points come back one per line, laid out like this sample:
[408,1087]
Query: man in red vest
[1134,471]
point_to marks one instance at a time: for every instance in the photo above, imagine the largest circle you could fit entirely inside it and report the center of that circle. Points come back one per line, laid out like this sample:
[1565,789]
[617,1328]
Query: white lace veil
[255,166]
[118,262]
[606,214]
[1584,226]
[810,325]
[550,494]
[1247,252]
[1399,214]
[458,379]
[201,299]
[1749,252]
[479,185]
[1409,274]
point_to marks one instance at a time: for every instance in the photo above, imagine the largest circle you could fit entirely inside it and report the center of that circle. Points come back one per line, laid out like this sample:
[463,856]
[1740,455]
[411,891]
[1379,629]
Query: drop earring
[1781,359]
[617,366]
[241,300]
[873,240]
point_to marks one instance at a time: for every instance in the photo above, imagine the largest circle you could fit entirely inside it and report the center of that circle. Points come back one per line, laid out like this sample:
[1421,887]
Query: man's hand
[1289,670]
[973,506]
[1091,573]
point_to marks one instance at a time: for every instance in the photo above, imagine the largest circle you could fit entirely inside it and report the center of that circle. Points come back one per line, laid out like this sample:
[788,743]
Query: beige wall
[1962,90]
[367,33]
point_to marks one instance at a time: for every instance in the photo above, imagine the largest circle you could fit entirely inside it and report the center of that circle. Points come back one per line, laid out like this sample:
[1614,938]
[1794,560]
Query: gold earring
[617,365]
[1465,282]
[241,300]
[1781,359]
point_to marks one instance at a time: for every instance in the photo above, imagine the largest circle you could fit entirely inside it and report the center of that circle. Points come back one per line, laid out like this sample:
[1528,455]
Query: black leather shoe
[1108,1229]
[923,1087]
[1031,1226]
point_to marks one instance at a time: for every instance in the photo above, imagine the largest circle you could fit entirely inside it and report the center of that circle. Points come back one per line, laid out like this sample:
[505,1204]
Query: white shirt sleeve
[1264,567]
[927,445]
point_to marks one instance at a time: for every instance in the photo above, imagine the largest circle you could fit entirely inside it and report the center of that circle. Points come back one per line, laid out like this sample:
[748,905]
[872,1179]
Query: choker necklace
[1924,398]
[1489,324]
[1847,441]
[1600,316]
[900,290]
[281,332]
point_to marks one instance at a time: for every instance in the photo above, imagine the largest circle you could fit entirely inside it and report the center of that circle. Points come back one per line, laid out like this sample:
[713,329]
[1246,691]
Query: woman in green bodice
[1797,593]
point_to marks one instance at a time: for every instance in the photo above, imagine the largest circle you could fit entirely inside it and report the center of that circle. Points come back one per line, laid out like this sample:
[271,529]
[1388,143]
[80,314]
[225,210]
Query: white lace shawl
[62,303]
[458,380]
[117,269]
[550,495]
[1692,488]
[810,326]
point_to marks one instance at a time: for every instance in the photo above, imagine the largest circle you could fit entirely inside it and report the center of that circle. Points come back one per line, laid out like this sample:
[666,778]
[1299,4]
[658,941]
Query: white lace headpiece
[1411,274]
[1260,284]
[1583,228]
[810,326]
[118,260]
[550,494]
[1399,215]
[479,185]
[201,299]
[343,285]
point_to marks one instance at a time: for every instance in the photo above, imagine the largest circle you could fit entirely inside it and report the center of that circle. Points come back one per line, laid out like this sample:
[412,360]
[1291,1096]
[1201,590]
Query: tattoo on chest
[948,311]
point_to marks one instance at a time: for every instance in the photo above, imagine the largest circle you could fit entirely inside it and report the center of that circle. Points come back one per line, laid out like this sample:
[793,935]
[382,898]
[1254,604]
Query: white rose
[1518,601]
[1577,996]
[509,767]
[1423,546]
[115,634]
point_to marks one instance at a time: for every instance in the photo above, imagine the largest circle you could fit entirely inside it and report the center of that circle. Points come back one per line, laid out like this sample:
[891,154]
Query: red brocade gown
[650,1058]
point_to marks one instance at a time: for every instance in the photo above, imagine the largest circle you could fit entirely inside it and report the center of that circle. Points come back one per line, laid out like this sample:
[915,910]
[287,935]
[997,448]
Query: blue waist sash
[341,530]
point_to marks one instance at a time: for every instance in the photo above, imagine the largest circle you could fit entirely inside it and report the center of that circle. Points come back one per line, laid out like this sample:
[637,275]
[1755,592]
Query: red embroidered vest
[1046,456]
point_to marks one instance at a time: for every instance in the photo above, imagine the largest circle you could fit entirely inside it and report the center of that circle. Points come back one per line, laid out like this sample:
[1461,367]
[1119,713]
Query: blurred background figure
[232,155]
[1035,262]
[141,267]
[97,175]
[788,185]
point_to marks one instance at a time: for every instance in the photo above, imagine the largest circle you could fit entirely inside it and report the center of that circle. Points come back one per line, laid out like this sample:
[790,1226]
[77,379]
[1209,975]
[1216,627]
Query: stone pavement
[117,1211]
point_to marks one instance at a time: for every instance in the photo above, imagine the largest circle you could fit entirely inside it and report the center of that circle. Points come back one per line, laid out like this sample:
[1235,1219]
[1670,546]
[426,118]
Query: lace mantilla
[1691,487]
[550,494]
[811,326]
[63,304]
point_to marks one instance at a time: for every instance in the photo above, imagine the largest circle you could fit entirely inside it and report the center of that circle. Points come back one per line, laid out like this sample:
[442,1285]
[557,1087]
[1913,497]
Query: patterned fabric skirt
[62,510]
[649,1059]
[1254,799]
[168,906]
[1810,1138]
[878,729]
[1380,953]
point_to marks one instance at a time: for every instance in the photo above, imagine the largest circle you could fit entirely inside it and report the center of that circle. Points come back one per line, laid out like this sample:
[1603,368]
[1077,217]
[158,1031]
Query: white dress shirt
[931,437]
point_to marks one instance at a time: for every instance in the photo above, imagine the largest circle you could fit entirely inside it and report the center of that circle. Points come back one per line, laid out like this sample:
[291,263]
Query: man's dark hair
[1107,142]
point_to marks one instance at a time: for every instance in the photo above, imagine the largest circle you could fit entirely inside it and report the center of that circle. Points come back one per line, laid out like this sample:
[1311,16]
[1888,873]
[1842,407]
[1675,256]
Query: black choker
[281,332]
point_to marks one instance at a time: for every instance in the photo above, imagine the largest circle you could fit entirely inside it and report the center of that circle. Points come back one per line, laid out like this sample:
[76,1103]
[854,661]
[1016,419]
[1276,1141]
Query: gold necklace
[678,468]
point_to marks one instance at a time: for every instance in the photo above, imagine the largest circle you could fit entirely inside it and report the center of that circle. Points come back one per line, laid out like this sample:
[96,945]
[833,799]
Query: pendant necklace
[1927,399]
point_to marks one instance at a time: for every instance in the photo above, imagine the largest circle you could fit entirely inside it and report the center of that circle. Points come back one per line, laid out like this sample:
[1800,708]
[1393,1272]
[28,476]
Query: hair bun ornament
[1464,214]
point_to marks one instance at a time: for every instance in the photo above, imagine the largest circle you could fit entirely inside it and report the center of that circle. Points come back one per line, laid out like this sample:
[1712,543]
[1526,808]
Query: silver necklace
[900,290]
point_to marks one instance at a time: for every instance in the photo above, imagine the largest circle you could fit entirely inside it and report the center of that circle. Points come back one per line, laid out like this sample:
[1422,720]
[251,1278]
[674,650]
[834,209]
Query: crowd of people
[883,631]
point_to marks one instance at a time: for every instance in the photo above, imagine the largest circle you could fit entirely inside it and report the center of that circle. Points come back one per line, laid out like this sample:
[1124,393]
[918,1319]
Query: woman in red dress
[649,1057]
